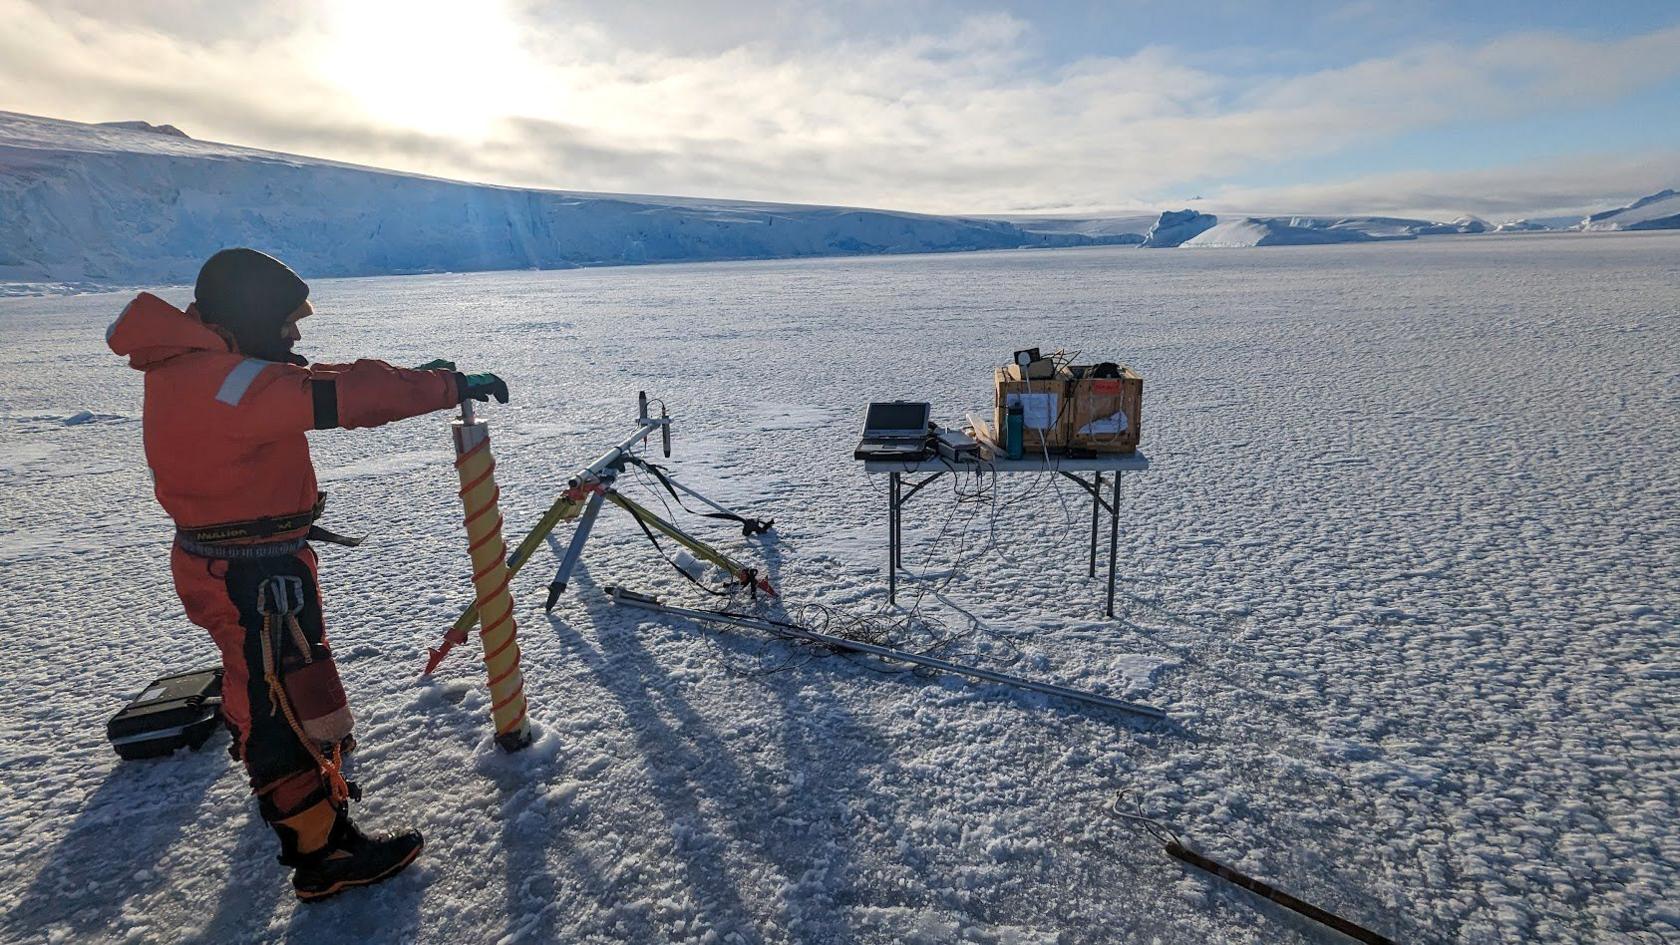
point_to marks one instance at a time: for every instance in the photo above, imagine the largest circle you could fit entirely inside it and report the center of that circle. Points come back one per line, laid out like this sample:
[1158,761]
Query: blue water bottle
[1015,433]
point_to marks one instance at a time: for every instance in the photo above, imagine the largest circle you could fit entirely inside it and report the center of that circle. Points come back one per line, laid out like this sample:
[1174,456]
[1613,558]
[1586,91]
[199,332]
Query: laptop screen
[897,417]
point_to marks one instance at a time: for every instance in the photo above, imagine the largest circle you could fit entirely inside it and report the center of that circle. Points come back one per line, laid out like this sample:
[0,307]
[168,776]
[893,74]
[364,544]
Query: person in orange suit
[227,406]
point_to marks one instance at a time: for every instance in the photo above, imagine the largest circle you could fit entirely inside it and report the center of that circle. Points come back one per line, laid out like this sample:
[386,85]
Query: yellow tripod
[582,500]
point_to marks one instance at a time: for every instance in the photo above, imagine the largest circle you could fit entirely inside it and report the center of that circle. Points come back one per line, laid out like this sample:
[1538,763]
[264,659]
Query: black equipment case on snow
[172,712]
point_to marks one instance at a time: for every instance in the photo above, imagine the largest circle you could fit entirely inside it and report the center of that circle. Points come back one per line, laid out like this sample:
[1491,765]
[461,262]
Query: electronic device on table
[897,429]
[955,445]
[1030,365]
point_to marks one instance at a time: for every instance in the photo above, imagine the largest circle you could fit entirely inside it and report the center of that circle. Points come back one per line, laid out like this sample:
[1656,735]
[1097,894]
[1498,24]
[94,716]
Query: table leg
[1113,539]
[892,538]
[1096,506]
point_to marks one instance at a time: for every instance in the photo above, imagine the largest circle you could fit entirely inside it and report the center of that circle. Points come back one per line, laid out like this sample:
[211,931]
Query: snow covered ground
[1403,575]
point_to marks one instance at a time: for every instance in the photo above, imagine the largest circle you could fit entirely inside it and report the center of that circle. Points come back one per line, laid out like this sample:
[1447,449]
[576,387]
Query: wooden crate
[1105,414]
[1045,403]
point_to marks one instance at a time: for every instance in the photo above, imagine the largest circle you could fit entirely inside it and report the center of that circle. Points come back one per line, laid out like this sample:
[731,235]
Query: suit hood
[150,331]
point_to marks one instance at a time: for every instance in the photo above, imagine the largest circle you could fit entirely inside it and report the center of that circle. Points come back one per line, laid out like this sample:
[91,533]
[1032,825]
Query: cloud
[958,118]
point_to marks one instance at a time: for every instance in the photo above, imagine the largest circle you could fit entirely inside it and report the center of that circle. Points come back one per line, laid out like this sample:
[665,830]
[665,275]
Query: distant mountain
[131,202]
[1377,228]
[1461,225]
[1660,211]
[1118,229]
[146,126]
[1194,229]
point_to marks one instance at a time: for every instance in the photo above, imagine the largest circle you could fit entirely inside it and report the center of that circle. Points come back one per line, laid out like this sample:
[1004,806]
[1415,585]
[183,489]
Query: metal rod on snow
[1177,849]
[490,576]
[644,602]
[1266,891]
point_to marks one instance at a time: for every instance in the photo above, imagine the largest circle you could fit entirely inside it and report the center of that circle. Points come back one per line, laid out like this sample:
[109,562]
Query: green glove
[436,364]
[481,387]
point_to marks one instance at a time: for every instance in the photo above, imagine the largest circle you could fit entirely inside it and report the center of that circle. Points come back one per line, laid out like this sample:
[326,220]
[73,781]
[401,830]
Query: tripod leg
[563,507]
[573,551]
[1113,539]
[700,549]
[892,538]
[1096,506]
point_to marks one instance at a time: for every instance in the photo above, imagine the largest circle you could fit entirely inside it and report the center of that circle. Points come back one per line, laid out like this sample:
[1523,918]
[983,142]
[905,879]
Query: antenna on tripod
[664,421]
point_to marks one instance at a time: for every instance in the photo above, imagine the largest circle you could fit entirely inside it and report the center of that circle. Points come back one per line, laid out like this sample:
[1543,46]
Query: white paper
[1114,423]
[1038,410]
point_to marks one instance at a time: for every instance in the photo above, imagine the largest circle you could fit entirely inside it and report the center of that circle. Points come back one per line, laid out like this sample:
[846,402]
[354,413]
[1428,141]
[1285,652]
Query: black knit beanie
[249,294]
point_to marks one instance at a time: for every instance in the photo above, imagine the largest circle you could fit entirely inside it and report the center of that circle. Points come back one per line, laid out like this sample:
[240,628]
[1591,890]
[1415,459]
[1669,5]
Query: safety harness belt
[220,539]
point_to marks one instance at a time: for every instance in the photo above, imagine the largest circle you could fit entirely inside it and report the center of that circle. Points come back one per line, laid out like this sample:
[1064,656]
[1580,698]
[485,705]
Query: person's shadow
[256,889]
[122,831]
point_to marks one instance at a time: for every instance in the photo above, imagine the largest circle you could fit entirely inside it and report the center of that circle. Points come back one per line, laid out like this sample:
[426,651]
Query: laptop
[895,430]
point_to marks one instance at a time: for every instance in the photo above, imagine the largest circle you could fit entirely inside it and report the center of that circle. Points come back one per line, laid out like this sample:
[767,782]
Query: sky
[1497,108]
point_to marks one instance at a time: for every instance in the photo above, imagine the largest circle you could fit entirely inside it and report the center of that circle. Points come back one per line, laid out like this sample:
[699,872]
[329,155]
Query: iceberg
[1521,226]
[1659,211]
[1175,226]
[1257,231]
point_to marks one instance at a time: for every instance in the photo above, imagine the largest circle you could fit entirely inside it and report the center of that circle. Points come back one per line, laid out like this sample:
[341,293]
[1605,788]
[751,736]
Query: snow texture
[116,204]
[1402,574]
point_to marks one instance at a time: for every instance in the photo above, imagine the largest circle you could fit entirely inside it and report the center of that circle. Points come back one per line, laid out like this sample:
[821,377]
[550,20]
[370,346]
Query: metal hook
[287,591]
[1158,829]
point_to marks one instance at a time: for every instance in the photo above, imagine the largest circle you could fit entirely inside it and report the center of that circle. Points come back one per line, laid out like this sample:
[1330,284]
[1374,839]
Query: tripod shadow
[126,826]
[714,802]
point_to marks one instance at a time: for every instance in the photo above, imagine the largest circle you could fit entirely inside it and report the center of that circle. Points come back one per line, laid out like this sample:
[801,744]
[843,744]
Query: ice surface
[1402,573]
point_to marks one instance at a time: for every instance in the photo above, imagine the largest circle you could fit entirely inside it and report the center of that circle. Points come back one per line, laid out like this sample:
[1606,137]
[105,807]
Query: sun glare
[431,65]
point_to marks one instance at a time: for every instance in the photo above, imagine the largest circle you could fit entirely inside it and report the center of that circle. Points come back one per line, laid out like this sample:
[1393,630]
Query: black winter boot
[354,859]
